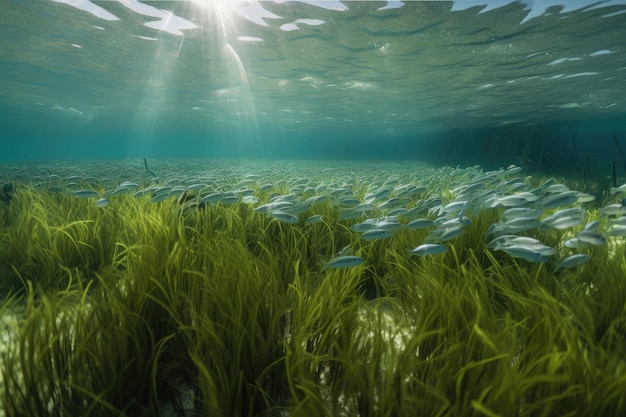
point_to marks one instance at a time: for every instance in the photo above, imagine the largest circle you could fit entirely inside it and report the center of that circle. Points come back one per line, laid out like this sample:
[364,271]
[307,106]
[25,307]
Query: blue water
[315,80]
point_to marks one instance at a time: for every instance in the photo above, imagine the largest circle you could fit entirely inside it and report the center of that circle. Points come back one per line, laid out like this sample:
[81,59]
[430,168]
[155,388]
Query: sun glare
[219,12]
[218,5]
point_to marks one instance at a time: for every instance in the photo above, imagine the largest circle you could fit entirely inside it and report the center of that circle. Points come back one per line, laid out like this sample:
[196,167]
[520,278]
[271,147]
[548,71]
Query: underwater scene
[312,208]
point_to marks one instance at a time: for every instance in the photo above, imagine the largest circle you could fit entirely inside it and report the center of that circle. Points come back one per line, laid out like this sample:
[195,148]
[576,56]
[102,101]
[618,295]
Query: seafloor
[257,288]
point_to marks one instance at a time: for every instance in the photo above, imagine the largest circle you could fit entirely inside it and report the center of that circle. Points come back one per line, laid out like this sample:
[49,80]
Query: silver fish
[443,235]
[585,198]
[316,199]
[507,240]
[350,214]
[161,191]
[575,243]
[429,249]
[612,210]
[269,207]
[524,252]
[620,189]
[212,198]
[558,200]
[85,193]
[619,221]
[373,234]
[617,231]
[348,201]
[390,204]
[527,242]
[557,188]
[159,197]
[316,218]
[591,237]
[572,261]
[516,200]
[400,211]
[343,262]
[460,221]
[249,199]
[420,224]
[574,211]
[229,199]
[120,191]
[283,216]
[593,226]
[519,224]
[517,212]
[563,222]
[390,224]
[363,226]
[455,207]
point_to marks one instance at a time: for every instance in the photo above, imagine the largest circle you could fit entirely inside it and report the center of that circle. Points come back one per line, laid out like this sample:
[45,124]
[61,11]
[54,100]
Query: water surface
[305,79]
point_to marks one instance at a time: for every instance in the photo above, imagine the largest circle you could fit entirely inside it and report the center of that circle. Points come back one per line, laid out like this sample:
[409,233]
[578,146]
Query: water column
[150,131]
[235,98]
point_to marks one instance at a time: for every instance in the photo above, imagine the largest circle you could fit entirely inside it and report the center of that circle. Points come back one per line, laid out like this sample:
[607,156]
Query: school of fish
[376,200]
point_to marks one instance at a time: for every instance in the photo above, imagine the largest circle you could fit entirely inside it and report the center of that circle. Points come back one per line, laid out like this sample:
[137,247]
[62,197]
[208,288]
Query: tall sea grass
[222,311]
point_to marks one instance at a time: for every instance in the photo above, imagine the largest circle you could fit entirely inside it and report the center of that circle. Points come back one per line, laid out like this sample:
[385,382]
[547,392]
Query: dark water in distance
[324,80]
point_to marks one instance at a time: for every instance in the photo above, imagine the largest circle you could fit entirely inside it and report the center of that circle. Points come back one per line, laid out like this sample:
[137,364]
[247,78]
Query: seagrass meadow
[312,208]
[122,302]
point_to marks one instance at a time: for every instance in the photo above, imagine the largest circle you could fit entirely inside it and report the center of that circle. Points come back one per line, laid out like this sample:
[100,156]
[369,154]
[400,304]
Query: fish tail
[323,266]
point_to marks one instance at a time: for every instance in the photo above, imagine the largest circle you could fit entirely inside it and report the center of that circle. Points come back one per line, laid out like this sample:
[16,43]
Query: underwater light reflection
[252,11]
[219,7]
[220,20]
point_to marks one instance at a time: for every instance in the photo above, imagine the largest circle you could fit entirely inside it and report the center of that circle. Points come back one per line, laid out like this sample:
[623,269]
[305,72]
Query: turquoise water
[315,80]
[195,164]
